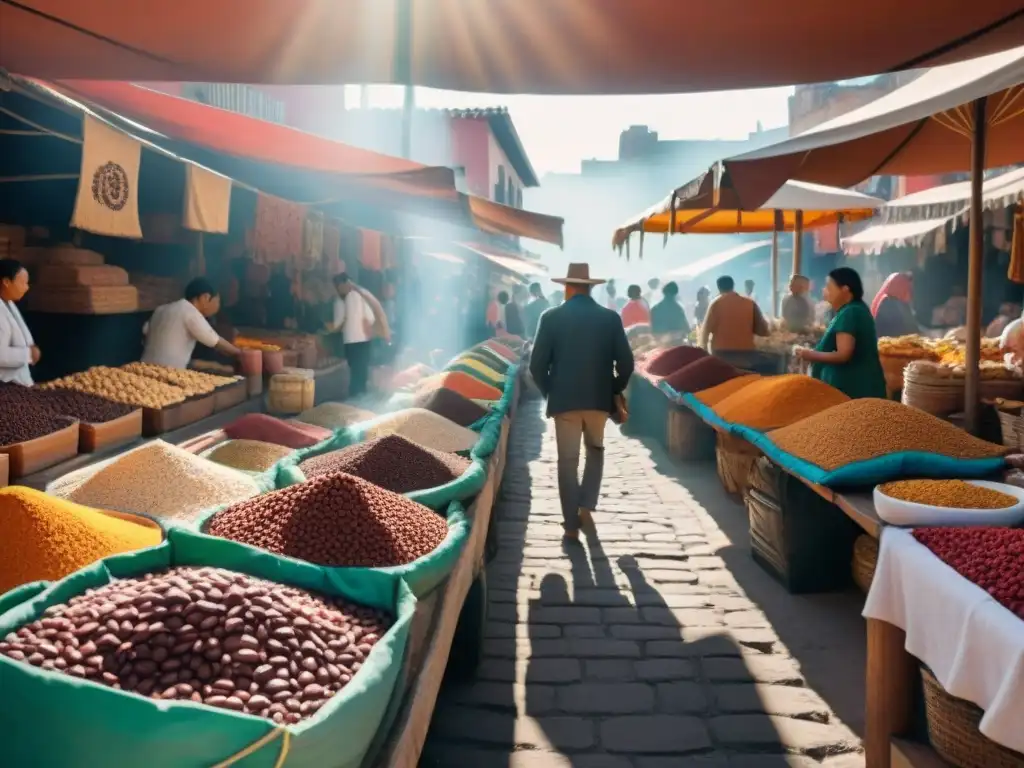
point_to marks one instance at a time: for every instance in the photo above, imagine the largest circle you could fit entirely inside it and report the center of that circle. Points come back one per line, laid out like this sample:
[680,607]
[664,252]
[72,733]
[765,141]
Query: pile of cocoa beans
[334,520]
[392,462]
[206,635]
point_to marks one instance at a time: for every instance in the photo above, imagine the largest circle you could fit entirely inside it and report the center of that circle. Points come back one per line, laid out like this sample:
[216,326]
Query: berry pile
[992,558]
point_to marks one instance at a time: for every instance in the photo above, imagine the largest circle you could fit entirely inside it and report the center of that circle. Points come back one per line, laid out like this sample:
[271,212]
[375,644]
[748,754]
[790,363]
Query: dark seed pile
[393,462]
[24,418]
[206,635]
[334,520]
[82,406]
[453,406]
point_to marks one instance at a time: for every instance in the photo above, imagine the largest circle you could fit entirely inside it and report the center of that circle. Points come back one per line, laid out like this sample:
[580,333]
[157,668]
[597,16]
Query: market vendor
[847,355]
[732,321]
[797,310]
[18,351]
[174,329]
[891,306]
[668,316]
[354,317]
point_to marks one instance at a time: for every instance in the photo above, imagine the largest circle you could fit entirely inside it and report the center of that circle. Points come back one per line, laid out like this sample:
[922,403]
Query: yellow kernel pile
[948,493]
[46,538]
[192,382]
[867,428]
[776,401]
[712,396]
[121,387]
[248,455]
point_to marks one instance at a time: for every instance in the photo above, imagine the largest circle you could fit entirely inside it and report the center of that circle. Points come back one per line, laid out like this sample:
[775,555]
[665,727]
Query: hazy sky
[560,131]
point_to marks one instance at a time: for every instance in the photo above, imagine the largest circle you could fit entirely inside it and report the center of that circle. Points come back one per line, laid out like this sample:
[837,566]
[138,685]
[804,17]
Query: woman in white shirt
[17,349]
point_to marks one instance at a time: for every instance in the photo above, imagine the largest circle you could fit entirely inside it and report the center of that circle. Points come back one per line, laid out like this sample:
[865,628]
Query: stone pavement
[639,649]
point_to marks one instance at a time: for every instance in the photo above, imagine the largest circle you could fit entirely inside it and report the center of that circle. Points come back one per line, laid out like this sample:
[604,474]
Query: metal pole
[974,269]
[798,242]
[403,70]
[775,265]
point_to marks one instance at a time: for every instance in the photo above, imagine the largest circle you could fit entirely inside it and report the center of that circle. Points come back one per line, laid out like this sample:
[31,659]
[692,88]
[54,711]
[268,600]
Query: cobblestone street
[656,644]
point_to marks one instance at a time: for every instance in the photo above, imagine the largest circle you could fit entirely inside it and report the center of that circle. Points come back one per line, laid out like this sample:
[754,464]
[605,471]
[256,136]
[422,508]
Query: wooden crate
[41,453]
[95,437]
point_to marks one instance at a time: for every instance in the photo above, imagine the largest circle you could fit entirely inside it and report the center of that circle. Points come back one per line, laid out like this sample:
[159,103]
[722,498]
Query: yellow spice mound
[777,401]
[714,395]
[46,538]
[948,493]
[863,429]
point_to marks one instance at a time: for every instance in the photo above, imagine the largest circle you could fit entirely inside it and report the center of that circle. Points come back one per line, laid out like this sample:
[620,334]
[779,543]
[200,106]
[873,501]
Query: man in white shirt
[354,318]
[174,329]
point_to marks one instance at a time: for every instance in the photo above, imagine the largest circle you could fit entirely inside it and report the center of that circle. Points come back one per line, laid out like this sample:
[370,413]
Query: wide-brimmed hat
[578,274]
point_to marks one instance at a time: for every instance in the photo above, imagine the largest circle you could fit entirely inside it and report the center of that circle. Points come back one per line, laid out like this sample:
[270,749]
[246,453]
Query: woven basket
[1011,420]
[84,300]
[734,458]
[953,730]
[937,396]
[893,367]
[1009,389]
[865,558]
[688,438]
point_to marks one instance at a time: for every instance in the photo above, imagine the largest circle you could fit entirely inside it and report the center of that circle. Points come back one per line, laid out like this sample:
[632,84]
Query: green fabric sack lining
[51,719]
[490,431]
[422,575]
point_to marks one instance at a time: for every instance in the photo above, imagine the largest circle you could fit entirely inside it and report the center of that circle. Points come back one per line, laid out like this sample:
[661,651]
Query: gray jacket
[581,358]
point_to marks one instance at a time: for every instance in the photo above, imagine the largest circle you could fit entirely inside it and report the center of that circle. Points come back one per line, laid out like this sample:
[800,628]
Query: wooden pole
[798,242]
[974,269]
[889,696]
[775,263]
[403,70]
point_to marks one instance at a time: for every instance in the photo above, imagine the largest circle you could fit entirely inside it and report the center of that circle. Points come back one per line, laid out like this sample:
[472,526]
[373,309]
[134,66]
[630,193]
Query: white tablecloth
[973,645]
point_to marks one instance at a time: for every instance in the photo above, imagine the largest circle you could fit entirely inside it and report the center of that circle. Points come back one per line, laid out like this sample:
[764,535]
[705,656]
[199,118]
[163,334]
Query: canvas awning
[498,46]
[698,268]
[449,258]
[880,236]
[496,218]
[508,262]
[924,127]
[949,199]
[820,205]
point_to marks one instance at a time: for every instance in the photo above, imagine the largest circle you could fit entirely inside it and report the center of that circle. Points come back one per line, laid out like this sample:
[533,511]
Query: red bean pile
[206,635]
[393,462]
[992,558]
[24,418]
[702,374]
[670,360]
[267,429]
[335,520]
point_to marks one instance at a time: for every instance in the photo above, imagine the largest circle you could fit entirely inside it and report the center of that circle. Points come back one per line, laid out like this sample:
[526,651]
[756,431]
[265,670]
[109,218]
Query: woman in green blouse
[847,355]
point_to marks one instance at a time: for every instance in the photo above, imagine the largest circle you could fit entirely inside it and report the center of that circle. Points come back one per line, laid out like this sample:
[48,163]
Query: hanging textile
[313,240]
[1016,269]
[207,204]
[332,249]
[108,184]
[370,252]
[277,231]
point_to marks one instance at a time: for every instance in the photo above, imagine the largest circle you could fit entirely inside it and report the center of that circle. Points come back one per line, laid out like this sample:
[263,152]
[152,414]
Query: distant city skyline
[560,132]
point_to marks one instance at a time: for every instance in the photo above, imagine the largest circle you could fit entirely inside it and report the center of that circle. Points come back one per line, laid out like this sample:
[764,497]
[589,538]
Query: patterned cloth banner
[108,184]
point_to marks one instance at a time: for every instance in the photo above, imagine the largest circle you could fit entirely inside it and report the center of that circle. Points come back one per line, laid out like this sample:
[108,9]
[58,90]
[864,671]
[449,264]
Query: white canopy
[950,199]
[874,239]
[804,196]
[698,268]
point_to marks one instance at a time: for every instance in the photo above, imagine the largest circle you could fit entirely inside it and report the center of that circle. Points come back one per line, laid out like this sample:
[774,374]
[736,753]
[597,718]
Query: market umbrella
[794,206]
[498,46]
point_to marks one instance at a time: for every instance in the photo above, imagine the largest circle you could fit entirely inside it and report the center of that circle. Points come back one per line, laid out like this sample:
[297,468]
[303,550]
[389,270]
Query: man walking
[581,361]
[535,309]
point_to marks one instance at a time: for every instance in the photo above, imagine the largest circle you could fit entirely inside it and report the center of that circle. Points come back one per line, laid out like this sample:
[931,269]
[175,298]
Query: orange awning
[499,46]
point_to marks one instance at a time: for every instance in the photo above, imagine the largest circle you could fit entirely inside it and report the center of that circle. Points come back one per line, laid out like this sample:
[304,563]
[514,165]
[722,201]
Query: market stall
[429,601]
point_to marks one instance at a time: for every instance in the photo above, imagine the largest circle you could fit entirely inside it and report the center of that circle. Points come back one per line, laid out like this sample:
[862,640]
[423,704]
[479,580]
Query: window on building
[499,188]
[237,98]
[519,198]
[510,198]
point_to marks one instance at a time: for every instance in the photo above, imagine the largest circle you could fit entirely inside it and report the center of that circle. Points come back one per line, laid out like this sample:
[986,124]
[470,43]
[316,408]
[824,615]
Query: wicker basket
[688,437]
[953,730]
[734,458]
[934,395]
[993,389]
[893,367]
[865,558]
[1012,422]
